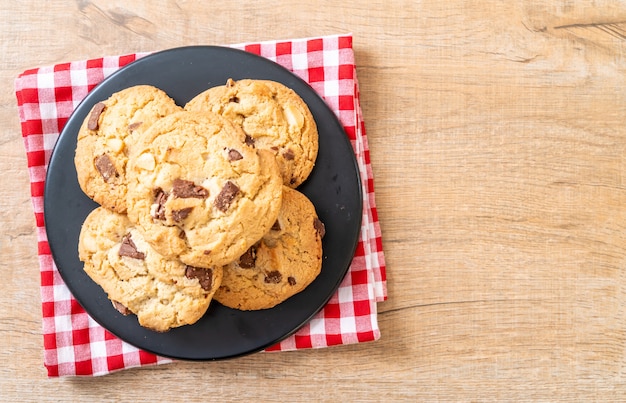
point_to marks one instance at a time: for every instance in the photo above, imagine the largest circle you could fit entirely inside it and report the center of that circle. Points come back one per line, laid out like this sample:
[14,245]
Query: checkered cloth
[74,344]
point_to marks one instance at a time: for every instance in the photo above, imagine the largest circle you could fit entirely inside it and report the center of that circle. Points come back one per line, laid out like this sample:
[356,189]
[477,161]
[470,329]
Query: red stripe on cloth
[115,362]
[350,132]
[63,92]
[124,60]
[61,122]
[284,55]
[369,185]
[344,42]
[359,250]
[80,336]
[315,45]
[366,336]
[43,248]
[303,341]
[39,219]
[37,189]
[76,308]
[275,347]
[331,310]
[316,74]
[283,48]
[95,63]
[334,339]
[31,128]
[28,95]
[36,158]
[29,72]
[62,67]
[109,336]
[346,103]
[253,48]
[47,309]
[47,279]
[147,358]
[84,367]
[358,276]
[362,308]
[53,370]
[346,72]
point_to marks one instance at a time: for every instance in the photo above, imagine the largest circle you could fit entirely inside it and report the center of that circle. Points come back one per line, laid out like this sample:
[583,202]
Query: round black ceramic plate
[333,187]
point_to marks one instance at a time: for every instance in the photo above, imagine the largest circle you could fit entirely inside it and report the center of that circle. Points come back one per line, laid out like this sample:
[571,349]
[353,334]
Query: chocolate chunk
[248,259]
[226,196]
[186,189]
[121,308]
[273,277]
[234,99]
[129,249]
[291,280]
[96,111]
[249,141]
[179,215]
[274,148]
[276,226]
[182,234]
[206,252]
[292,181]
[160,197]
[288,154]
[319,227]
[204,276]
[234,155]
[133,126]
[105,166]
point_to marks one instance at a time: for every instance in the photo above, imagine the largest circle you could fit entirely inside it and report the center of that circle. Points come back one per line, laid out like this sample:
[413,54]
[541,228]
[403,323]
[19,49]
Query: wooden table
[497,142]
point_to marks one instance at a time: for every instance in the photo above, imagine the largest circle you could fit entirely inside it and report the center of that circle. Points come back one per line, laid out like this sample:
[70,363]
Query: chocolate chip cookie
[106,136]
[198,192]
[283,263]
[274,118]
[163,293]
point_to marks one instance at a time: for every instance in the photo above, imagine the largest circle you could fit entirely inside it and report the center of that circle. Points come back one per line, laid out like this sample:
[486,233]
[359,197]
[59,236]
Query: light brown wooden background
[497,141]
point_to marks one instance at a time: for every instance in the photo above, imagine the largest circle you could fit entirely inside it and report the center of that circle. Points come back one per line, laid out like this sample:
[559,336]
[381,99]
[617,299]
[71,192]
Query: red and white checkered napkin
[74,344]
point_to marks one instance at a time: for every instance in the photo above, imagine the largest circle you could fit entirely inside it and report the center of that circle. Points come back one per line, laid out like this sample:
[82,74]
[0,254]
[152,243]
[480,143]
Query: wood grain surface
[497,140]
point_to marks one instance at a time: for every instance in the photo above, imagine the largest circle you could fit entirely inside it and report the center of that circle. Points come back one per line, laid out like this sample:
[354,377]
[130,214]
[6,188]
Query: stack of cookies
[199,203]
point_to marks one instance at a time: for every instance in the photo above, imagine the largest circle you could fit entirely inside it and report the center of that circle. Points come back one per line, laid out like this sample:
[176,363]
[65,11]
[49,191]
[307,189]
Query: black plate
[334,188]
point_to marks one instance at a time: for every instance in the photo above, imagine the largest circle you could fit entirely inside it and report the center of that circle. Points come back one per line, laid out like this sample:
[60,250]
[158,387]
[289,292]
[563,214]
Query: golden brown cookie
[106,136]
[283,263]
[163,293]
[198,192]
[274,118]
